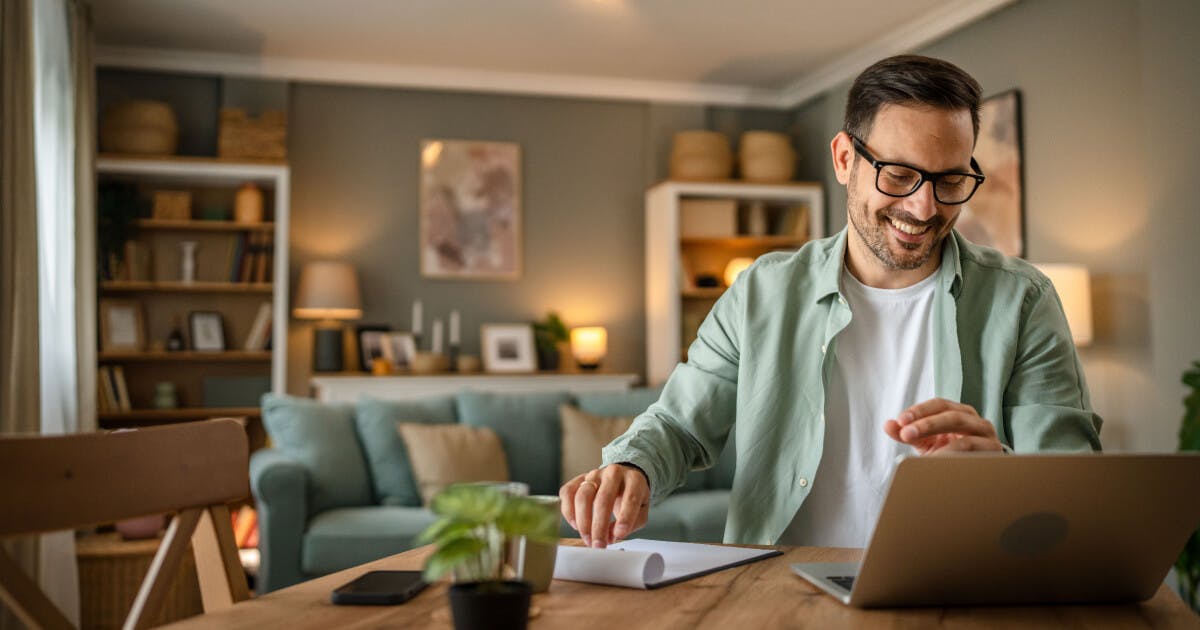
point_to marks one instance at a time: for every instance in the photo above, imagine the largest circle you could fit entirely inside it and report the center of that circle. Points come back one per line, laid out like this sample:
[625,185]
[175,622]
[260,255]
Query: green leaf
[445,530]
[475,503]
[455,553]
[525,517]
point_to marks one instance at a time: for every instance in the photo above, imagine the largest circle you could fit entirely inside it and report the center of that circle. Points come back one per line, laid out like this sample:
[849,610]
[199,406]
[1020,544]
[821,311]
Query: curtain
[19,383]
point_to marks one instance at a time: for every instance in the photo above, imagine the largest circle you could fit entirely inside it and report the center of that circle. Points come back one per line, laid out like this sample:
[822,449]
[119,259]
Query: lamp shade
[328,290]
[589,345]
[735,267]
[1073,285]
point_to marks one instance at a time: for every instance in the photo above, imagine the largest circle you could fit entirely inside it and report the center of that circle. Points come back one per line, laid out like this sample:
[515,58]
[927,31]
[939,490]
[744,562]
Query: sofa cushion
[583,437]
[528,428]
[452,453]
[391,473]
[701,514]
[632,403]
[322,438]
[347,537]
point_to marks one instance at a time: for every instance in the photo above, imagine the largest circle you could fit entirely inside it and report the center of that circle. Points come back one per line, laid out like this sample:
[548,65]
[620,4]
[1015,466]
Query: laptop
[977,529]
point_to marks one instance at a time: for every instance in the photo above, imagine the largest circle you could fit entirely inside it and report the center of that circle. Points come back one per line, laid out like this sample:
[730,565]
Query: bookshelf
[239,278]
[695,229]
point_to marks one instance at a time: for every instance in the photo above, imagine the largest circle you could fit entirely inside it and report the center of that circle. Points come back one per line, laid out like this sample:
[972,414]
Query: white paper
[645,564]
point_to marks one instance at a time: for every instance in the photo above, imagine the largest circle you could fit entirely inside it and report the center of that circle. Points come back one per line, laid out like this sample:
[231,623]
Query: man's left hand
[941,426]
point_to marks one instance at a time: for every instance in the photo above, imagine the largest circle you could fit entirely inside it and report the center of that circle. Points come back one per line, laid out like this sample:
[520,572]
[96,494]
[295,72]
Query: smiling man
[894,337]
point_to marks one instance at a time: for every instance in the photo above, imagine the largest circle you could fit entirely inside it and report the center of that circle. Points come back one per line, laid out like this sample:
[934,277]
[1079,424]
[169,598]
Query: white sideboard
[350,388]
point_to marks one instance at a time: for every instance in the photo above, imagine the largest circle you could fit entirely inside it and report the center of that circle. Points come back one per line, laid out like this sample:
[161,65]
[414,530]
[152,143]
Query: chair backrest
[63,482]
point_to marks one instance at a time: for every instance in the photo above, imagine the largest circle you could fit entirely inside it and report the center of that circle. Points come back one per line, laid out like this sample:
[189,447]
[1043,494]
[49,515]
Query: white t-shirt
[882,364]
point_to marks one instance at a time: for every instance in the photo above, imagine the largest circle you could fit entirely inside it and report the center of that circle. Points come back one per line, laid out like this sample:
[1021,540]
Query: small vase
[490,605]
[187,263]
[248,204]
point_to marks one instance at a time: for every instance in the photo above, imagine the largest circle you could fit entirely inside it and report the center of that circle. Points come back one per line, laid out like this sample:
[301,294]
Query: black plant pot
[490,605]
[547,358]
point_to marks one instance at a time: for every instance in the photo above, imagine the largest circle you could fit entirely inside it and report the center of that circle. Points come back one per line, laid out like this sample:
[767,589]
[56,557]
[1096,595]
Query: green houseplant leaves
[1188,563]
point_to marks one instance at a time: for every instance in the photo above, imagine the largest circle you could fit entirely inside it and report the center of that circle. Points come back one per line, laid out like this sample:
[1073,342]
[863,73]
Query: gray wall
[1109,90]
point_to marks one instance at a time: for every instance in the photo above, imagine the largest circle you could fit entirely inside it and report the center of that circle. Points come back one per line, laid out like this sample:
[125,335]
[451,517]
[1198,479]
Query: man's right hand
[591,500]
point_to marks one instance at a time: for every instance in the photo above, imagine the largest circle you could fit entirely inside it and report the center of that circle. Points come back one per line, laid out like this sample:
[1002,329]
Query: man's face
[903,234]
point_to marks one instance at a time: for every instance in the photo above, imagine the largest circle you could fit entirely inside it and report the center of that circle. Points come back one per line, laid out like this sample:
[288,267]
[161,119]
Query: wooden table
[756,596]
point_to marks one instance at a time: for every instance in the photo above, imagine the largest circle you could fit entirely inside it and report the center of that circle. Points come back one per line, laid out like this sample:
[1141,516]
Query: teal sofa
[336,490]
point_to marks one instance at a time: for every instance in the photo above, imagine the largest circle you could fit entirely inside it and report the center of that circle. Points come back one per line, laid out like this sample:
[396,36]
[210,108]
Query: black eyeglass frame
[978,176]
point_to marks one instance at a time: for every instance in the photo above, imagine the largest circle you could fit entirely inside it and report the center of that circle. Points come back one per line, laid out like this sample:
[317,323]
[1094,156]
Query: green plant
[1188,563]
[549,332]
[476,523]
[117,210]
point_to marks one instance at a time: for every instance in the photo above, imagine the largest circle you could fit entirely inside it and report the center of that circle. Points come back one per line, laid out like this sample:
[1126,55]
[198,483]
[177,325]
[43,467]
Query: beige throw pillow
[444,454]
[583,436]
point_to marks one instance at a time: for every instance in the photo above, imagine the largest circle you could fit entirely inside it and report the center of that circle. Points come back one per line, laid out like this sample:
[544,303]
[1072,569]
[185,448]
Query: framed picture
[508,348]
[399,348]
[470,215]
[121,326]
[208,330]
[370,339]
[995,216]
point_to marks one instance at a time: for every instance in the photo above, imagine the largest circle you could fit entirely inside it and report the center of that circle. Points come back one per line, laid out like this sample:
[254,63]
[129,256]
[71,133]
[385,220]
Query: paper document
[645,564]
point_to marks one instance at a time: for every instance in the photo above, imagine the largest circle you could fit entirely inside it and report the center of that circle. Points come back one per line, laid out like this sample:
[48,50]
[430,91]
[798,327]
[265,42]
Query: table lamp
[328,293]
[1073,286]
[589,344]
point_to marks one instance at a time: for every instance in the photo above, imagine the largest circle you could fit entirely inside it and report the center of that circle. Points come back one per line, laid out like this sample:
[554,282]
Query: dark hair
[909,80]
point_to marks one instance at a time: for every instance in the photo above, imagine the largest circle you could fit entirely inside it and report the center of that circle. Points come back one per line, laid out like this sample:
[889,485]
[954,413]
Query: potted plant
[549,334]
[476,526]
[1188,563]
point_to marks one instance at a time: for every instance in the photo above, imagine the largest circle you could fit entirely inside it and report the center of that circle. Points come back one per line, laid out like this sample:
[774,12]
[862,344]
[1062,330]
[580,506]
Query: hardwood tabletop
[756,596]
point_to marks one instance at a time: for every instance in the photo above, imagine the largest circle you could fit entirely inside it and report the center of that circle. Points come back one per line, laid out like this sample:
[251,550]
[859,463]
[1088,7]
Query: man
[894,337]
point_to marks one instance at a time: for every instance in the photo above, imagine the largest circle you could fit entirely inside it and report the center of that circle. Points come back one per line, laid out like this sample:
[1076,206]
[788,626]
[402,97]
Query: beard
[873,228]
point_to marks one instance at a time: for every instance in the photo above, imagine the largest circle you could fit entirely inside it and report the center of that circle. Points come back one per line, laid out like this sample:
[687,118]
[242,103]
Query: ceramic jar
[701,155]
[248,204]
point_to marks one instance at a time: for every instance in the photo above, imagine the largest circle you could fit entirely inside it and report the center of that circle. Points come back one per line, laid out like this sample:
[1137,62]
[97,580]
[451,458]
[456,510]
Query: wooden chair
[193,469]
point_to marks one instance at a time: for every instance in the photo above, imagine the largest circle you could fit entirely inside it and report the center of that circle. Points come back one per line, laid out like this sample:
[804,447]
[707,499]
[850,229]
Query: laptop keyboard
[844,581]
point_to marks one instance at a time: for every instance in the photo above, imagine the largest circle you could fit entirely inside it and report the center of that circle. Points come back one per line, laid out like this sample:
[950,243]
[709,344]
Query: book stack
[112,394]
[253,257]
[245,528]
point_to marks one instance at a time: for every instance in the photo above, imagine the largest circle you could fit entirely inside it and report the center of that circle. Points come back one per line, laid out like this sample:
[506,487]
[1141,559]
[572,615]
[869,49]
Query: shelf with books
[193,304]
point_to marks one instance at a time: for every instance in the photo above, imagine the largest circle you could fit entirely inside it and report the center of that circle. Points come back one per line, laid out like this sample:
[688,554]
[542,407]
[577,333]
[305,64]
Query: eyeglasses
[901,180]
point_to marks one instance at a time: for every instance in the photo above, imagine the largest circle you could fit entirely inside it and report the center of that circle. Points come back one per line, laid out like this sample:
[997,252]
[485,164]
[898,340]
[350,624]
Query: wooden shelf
[157,416]
[764,242]
[187,159]
[204,226]
[185,355]
[703,293]
[186,287]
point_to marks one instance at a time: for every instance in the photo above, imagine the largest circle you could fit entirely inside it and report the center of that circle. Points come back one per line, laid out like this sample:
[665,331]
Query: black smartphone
[380,588]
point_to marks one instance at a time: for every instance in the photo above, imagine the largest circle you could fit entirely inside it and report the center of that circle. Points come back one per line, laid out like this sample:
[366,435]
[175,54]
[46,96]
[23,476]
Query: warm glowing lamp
[589,345]
[328,293]
[735,267]
[1074,291]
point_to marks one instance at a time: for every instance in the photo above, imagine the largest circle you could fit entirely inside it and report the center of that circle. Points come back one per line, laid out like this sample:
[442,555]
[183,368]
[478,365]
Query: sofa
[335,489]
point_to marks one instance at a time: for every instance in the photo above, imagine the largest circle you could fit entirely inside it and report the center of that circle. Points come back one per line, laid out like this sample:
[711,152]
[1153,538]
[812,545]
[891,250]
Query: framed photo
[508,348]
[121,326]
[208,331]
[370,339]
[995,216]
[470,226]
[399,348]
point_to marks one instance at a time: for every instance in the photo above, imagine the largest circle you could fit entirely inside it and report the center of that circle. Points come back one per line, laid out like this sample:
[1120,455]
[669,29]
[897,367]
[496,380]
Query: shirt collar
[949,271]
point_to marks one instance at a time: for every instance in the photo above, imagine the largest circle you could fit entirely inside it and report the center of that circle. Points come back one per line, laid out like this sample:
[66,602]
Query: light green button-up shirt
[763,355]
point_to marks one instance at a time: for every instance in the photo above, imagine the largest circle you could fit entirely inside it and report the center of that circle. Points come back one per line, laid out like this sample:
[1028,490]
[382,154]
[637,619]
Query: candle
[437,336]
[416,322]
[454,329]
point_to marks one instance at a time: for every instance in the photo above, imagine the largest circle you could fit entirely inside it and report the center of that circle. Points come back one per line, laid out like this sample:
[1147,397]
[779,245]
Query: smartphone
[380,588]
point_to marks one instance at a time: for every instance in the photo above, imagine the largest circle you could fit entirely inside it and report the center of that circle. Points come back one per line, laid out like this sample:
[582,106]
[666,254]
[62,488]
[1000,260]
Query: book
[109,393]
[648,564]
[122,390]
[257,339]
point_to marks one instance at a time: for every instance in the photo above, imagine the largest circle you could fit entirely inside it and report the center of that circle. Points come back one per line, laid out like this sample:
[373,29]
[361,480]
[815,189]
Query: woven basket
[110,572]
[262,138]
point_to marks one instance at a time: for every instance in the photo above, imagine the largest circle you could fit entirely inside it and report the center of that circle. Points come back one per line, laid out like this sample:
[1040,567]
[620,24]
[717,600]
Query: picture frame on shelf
[369,339]
[207,330]
[121,325]
[995,215]
[470,210]
[508,348]
[399,348]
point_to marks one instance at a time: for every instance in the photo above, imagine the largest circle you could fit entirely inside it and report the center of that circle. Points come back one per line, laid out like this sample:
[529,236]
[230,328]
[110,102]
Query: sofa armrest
[280,487]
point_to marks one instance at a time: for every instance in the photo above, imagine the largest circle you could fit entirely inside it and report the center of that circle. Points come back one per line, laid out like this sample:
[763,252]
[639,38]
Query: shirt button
[803,482]
[841,300]
[822,417]
[822,348]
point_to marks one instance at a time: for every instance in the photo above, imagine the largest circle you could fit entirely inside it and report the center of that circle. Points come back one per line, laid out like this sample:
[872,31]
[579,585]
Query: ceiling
[774,53]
